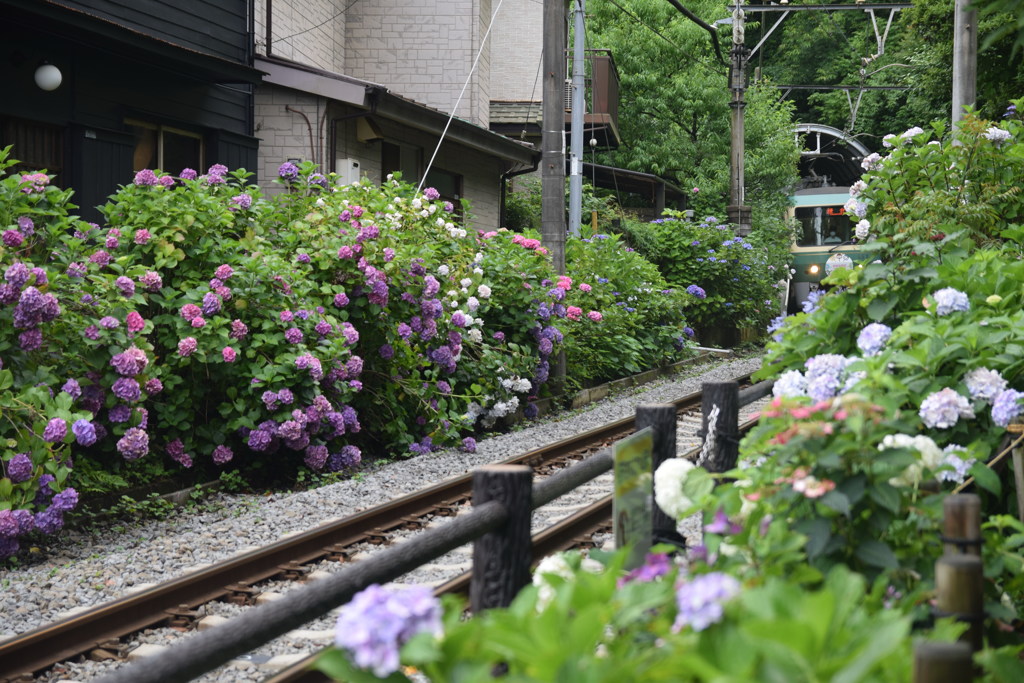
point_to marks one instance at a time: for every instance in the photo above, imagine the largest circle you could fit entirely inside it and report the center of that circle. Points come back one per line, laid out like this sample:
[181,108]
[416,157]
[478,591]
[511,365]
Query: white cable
[459,101]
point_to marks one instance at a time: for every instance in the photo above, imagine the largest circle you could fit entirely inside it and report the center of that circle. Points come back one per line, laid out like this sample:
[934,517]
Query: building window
[36,146]
[401,158]
[166,148]
[448,184]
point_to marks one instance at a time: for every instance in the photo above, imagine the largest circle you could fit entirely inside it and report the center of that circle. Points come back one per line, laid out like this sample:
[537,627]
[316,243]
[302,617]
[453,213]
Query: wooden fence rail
[499,525]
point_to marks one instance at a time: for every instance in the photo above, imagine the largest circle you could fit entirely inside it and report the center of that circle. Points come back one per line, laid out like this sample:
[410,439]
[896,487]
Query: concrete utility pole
[737,211]
[553,133]
[965,57]
[576,126]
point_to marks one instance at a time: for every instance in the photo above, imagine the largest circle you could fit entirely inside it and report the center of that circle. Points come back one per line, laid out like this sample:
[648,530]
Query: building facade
[366,89]
[142,84]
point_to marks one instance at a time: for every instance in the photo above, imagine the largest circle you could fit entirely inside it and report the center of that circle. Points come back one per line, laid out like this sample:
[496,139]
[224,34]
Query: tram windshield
[823,226]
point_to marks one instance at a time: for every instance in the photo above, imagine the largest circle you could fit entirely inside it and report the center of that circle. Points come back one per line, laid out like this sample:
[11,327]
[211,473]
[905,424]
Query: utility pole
[576,127]
[737,211]
[965,57]
[553,133]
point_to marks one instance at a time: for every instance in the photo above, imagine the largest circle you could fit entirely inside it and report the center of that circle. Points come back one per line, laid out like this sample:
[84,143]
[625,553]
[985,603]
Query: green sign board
[631,508]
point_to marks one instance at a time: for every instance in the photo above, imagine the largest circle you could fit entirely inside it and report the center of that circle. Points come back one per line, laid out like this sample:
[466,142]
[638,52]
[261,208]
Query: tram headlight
[813,270]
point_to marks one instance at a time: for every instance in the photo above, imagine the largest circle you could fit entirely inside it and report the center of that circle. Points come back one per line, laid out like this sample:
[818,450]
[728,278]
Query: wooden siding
[215,27]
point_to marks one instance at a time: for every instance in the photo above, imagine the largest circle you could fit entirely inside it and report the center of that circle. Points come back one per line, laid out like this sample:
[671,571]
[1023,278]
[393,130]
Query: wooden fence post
[720,406]
[942,663]
[501,558]
[961,524]
[1016,428]
[662,418]
[959,587]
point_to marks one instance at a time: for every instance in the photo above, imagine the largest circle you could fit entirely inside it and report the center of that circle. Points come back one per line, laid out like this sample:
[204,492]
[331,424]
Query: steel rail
[43,647]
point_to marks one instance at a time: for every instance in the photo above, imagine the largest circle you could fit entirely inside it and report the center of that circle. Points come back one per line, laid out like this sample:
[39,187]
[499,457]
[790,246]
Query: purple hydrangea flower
[469,444]
[66,500]
[154,386]
[188,174]
[211,304]
[242,201]
[222,455]
[316,457]
[126,389]
[288,171]
[55,431]
[942,409]
[130,362]
[151,281]
[810,304]
[375,625]
[655,565]
[145,177]
[134,444]
[238,329]
[721,525]
[349,456]
[20,468]
[84,431]
[119,413]
[700,600]
[109,322]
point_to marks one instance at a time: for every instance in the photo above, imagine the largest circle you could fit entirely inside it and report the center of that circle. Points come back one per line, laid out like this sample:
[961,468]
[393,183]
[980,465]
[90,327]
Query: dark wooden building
[142,84]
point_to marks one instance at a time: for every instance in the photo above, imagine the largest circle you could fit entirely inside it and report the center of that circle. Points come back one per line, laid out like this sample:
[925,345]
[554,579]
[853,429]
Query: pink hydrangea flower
[187,346]
[229,354]
[574,313]
[584,287]
[595,316]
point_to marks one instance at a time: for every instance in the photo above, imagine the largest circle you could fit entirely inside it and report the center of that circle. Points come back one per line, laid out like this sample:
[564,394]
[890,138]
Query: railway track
[183,604]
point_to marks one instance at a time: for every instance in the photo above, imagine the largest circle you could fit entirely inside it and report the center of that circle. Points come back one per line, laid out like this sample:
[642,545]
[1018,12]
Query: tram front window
[822,226]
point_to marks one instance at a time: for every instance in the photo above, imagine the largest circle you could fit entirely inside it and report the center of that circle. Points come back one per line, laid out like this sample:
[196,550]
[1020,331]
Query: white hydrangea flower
[424,213]
[472,303]
[668,487]
[861,230]
[931,456]
[417,203]
[478,271]
[432,208]
[997,135]
[857,188]
[443,269]
[484,291]
[465,282]
[475,336]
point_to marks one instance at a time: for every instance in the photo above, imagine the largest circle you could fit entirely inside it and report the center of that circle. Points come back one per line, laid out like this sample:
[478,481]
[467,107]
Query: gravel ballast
[86,568]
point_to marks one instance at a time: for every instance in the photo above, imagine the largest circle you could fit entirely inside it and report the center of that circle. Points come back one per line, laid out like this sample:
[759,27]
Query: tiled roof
[503,111]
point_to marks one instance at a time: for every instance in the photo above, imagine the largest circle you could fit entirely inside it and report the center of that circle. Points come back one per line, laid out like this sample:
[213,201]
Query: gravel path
[85,568]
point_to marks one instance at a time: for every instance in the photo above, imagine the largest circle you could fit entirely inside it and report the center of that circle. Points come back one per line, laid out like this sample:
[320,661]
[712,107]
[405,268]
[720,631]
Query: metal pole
[965,57]
[553,134]
[738,212]
[576,128]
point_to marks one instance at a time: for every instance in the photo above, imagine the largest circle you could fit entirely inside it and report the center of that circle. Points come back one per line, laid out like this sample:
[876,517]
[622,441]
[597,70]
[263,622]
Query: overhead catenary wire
[448,123]
[661,35]
[322,23]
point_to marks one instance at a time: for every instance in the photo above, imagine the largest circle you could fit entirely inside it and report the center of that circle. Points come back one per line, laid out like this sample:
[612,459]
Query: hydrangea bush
[899,383]
[204,324]
[732,281]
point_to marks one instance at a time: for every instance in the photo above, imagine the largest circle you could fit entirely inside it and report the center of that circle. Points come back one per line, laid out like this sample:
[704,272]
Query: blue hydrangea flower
[373,627]
[872,338]
[790,383]
[825,375]
[1006,407]
[958,464]
[942,409]
[810,304]
[984,384]
[948,300]
[700,600]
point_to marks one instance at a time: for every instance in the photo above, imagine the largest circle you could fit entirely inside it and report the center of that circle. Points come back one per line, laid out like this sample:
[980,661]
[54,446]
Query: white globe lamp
[48,77]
